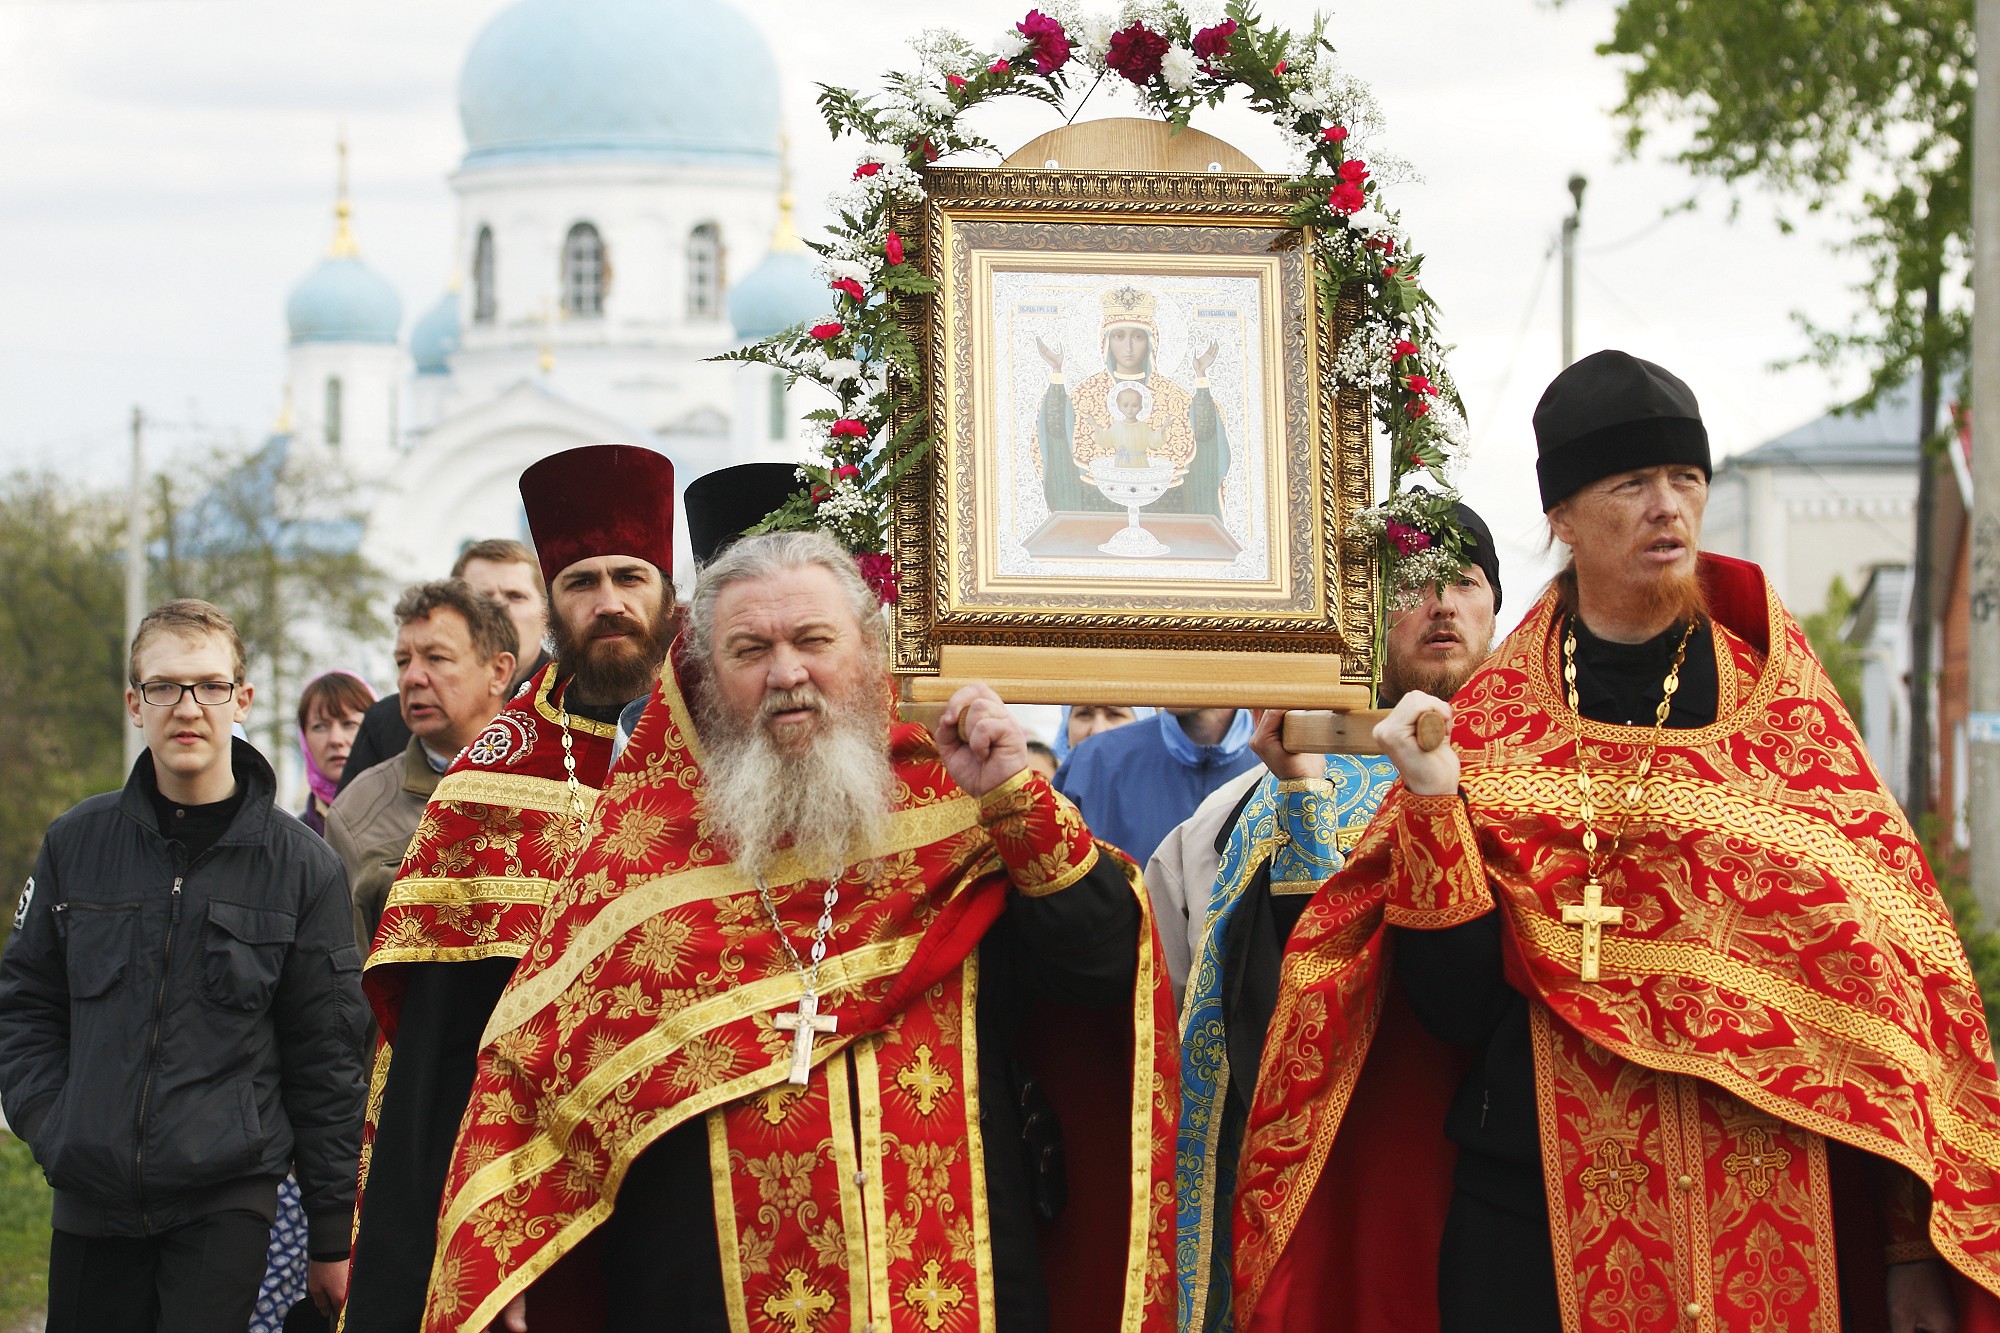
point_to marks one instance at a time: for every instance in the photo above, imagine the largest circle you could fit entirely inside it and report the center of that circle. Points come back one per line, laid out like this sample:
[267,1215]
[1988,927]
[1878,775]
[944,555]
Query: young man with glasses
[180,1013]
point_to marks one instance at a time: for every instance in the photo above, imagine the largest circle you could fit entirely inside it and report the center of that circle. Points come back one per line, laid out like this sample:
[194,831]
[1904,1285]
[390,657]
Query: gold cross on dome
[797,1305]
[934,1295]
[1593,916]
[804,1025]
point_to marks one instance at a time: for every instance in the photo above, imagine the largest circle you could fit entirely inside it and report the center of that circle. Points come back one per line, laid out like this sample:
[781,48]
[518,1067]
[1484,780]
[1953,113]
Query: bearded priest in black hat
[1636,1006]
[498,833]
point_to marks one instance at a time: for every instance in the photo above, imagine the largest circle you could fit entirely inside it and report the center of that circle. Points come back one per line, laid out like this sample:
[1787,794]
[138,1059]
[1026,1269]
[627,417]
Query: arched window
[705,272]
[584,272]
[482,278]
[333,409]
[778,413]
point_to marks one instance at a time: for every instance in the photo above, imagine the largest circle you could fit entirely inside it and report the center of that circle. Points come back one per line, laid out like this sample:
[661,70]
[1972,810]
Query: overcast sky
[166,175]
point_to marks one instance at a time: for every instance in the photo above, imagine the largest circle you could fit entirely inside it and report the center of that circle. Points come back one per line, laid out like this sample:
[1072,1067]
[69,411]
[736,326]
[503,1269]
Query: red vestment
[647,1001]
[1785,976]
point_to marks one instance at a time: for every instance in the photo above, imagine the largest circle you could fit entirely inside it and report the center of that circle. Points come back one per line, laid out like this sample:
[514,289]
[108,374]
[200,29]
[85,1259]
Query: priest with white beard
[774,1053]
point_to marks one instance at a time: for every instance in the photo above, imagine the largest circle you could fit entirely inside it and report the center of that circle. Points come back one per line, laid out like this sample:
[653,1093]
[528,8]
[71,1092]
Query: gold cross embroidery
[1616,1170]
[799,1305]
[1758,1160]
[935,1296]
[924,1081]
[774,1102]
[1593,916]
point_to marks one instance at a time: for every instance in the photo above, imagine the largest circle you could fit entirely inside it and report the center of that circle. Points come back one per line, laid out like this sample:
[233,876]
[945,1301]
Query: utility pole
[1983,809]
[135,562]
[1570,225]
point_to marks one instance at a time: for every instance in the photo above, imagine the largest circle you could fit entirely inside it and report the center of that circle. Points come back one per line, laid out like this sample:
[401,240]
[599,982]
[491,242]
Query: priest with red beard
[497,834]
[766,1051]
[1636,1008]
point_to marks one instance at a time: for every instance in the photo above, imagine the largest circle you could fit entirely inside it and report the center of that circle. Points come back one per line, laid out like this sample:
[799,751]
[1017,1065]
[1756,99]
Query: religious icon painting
[1138,439]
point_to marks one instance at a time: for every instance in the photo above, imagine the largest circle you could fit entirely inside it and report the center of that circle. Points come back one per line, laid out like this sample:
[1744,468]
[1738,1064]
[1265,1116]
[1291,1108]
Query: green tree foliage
[1841,659]
[1863,107]
[62,659]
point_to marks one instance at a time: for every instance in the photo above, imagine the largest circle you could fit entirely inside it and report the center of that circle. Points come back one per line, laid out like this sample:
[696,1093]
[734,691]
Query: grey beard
[827,805]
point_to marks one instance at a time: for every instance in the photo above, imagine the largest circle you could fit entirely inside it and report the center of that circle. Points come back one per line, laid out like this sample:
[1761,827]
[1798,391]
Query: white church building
[617,227]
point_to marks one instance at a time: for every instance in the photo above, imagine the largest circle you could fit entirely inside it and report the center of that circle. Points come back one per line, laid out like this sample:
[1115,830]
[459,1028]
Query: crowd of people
[634,966]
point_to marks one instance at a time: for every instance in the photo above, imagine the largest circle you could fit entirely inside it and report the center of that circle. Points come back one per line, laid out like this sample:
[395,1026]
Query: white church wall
[370,377]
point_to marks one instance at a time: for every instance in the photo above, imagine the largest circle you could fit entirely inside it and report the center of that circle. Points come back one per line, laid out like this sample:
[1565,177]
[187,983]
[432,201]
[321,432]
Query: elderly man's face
[787,649]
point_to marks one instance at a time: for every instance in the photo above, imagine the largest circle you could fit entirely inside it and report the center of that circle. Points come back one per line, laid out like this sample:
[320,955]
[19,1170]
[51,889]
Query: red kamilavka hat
[601,499]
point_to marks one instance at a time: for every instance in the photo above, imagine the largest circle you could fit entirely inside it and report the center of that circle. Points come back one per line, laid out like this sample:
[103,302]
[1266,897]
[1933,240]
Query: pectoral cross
[1593,916]
[804,1025]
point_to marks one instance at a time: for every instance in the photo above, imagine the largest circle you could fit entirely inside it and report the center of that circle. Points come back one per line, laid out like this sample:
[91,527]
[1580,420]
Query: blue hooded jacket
[1135,783]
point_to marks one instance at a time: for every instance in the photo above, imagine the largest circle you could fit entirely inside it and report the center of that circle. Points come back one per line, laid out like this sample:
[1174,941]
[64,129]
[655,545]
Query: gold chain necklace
[577,810]
[1592,915]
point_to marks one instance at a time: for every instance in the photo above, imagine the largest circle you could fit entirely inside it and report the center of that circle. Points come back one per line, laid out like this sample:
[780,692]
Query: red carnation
[1404,347]
[1385,244]
[867,169]
[892,246]
[1213,43]
[1388,271]
[1047,42]
[819,494]
[879,573]
[1406,539]
[851,289]
[1346,198]
[1354,171]
[1420,384]
[1136,52]
[958,80]
[998,67]
[1334,133]
[825,332]
[847,428]
[1280,68]
[846,471]
[1417,407]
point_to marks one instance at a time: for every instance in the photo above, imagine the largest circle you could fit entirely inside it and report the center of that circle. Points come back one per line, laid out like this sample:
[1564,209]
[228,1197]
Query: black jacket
[174,1037]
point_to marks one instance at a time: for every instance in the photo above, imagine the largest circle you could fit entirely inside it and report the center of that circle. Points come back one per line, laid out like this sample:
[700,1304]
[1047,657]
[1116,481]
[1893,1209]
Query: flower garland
[1179,59]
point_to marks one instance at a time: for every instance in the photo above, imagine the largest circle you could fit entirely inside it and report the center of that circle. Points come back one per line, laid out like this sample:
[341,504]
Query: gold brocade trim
[530,889]
[721,1185]
[509,791]
[1548,1118]
[874,1215]
[541,1151]
[907,831]
[1144,1077]
[975,1138]
[1219,1211]
[457,953]
[1005,799]
[1068,876]
[1311,786]
[1345,840]
[545,705]
[853,1210]
[1701,806]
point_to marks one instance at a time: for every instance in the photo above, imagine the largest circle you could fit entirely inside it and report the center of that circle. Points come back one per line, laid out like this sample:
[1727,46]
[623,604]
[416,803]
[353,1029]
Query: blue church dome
[659,79]
[344,301]
[435,336]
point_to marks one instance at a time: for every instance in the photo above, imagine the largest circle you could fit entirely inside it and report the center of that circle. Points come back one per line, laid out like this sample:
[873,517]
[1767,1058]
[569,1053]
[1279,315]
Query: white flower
[839,370]
[1367,220]
[934,100]
[1095,36]
[1010,43]
[1179,67]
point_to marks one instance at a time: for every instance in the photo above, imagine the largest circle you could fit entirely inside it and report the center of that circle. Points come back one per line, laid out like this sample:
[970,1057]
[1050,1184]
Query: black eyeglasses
[168,693]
